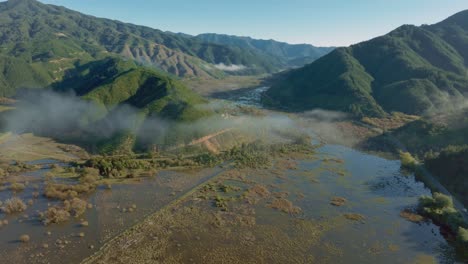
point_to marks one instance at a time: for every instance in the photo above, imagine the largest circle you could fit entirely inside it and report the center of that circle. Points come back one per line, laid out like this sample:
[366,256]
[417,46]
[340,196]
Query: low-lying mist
[68,117]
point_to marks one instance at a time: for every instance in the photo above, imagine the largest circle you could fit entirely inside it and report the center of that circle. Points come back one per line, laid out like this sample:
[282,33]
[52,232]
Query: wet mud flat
[109,212]
[336,206]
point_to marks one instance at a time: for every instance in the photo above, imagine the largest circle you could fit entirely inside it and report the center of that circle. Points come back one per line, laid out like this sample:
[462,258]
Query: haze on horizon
[321,23]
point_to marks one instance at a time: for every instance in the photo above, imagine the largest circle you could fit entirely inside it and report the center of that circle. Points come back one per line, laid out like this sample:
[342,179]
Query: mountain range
[414,70]
[40,44]
[292,55]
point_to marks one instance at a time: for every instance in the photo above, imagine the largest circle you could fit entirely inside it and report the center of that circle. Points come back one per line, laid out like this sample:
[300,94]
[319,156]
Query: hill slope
[113,82]
[294,55]
[118,103]
[412,70]
[44,41]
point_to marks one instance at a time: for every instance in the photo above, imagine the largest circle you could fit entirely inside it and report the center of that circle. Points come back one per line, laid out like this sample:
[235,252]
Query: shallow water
[106,218]
[377,189]
[250,97]
[373,187]
[249,226]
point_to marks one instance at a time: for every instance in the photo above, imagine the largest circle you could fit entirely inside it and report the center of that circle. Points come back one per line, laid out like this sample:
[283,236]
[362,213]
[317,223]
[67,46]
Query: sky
[317,22]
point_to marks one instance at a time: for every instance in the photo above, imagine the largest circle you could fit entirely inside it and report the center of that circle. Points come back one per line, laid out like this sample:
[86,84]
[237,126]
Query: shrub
[440,208]
[408,161]
[64,191]
[55,215]
[463,235]
[24,238]
[13,205]
[76,206]
[17,187]
[443,201]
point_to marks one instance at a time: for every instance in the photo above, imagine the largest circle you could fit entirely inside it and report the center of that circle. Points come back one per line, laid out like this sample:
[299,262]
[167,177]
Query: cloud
[230,68]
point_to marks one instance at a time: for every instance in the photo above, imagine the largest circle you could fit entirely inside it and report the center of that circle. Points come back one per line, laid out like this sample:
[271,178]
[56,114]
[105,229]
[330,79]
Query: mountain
[113,82]
[39,43]
[107,106]
[291,55]
[413,70]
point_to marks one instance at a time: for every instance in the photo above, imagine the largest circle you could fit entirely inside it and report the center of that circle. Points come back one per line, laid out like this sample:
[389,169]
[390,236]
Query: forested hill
[412,69]
[39,43]
[293,55]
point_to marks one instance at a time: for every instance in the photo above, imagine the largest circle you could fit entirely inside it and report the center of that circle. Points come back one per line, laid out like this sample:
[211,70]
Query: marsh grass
[13,205]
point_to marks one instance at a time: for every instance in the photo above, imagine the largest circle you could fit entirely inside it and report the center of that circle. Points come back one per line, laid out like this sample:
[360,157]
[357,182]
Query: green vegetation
[440,143]
[50,40]
[410,70]
[113,81]
[121,92]
[119,167]
[440,209]
[451,168]
[280,52]
[408,161]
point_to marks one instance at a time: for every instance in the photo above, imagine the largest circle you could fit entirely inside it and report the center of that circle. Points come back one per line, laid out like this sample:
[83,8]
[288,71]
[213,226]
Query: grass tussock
[59,214]
[408,161]
[13,205]
[17,187]
[338,201]
[25,238]
[354,217]
[411,216]
[284,205]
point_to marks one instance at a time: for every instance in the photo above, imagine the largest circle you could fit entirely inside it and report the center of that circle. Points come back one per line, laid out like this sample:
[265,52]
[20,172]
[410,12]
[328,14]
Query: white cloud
[232,67]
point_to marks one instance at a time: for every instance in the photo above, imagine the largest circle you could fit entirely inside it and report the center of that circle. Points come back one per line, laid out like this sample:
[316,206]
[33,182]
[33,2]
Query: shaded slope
[112,82]
[293,55]
[412,70]
[53,39]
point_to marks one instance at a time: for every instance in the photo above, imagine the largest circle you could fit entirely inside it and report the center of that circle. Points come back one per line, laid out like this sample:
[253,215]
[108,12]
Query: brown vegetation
[64,191]
[17,187]
[355,217]
[55,215]
[411,216]
[24,238]
[284,205]
[338,201]
[74,207]
[13,205]
[255,193]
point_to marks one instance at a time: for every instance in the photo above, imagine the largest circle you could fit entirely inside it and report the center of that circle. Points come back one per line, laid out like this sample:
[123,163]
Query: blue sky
[324,22]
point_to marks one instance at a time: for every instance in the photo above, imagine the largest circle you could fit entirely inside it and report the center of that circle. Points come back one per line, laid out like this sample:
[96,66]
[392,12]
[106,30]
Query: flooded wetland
[323,204]
[288,214]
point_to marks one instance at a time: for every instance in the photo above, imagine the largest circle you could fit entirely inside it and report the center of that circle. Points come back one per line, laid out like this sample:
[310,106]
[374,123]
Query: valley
[164,214]
[122,143]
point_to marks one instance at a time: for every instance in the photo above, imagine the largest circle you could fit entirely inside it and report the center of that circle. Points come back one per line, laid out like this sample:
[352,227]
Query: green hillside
[412,70]
[113,82]
[43,42]
[118,102]
[292,55]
